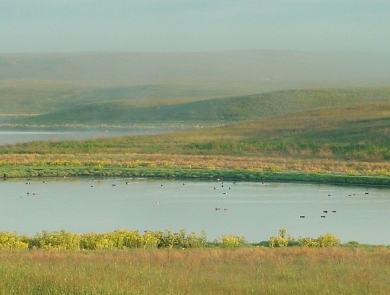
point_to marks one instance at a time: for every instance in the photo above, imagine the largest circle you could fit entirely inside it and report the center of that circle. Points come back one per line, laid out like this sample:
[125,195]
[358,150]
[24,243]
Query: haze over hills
[279,69]
[227,86]
[211,111]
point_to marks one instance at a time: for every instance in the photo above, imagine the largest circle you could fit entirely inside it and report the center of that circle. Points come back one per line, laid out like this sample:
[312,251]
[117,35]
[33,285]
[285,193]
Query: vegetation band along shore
[128,239]
[21,171]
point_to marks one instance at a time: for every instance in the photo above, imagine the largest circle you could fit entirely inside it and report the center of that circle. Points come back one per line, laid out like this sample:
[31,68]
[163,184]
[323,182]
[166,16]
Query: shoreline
[22,171]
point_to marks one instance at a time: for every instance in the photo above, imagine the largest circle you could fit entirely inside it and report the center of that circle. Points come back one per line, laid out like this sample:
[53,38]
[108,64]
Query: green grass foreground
[198,271]
[128,262]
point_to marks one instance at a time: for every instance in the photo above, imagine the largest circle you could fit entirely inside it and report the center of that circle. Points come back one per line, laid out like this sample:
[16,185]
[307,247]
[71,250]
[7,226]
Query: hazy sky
[193,25]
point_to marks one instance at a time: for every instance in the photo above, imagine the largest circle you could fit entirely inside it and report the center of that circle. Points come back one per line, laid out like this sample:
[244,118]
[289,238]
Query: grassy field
[198,271]
[113,109]
[350,138]
[326,135]
[37,97]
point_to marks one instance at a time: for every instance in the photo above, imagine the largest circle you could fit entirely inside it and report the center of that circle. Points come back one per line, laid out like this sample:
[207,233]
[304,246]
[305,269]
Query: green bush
[195,241]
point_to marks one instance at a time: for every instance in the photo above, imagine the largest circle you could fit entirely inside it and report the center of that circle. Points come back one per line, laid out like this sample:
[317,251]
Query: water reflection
[254,210]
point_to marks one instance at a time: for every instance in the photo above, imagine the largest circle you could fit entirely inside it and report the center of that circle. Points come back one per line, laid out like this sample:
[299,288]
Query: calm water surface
[19,136]
[255,210]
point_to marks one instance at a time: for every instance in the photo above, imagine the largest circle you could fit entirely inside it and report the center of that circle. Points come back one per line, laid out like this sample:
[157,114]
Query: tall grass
[198,271]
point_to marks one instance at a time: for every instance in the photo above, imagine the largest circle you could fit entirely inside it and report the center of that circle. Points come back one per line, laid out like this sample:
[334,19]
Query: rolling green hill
[31,97]
[132,87]
[212,111]
[351,132]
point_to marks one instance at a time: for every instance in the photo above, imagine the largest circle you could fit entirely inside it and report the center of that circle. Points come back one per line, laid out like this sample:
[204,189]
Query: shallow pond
[20,136]
[254,210]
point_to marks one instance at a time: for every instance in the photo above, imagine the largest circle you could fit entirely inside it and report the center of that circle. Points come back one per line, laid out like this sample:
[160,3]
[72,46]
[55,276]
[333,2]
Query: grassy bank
[198,271]
[267,174]
[347,143]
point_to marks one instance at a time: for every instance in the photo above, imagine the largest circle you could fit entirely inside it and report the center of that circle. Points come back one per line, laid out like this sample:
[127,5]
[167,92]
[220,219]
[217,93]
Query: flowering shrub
[232,241]
[281,240]
[11,241]
[328,240]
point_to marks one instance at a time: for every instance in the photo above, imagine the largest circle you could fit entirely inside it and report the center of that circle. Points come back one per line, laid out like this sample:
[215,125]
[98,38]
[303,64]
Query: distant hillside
[358,132]
[43,83]
[212,111]
[25,97]
[357,124]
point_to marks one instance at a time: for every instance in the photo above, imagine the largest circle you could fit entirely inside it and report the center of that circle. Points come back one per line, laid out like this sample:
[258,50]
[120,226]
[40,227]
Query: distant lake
[21,136]
[254,210]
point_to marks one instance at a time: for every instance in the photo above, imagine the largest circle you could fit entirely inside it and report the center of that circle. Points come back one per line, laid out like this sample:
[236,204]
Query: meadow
[128,262]
[156,105]
[248,270]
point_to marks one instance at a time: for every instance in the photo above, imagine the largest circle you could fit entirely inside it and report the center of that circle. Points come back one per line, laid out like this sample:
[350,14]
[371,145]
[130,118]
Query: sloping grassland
[212,110]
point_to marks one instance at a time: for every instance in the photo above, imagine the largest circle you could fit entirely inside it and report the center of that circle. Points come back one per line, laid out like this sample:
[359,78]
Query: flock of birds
[333,211]
[324,212]
[216,208]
